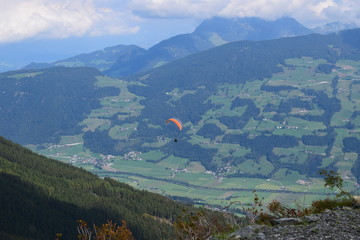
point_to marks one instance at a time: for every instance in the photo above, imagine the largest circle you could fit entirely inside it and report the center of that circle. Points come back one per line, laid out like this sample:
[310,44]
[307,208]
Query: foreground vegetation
[201,225]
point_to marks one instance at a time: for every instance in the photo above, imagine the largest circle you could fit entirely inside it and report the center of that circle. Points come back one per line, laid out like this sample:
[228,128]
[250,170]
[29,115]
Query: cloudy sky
[24,19]
[101,23]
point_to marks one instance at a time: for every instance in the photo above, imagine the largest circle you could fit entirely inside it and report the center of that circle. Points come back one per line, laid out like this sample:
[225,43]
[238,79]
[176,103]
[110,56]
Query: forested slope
[38,106]
[41,197]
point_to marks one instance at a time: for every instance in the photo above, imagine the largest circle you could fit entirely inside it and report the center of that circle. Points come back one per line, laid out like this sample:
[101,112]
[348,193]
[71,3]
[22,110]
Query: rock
[337,224]
[248,232]
[357,199]
[311,218]
[261,236]
[287,221]
[331,224]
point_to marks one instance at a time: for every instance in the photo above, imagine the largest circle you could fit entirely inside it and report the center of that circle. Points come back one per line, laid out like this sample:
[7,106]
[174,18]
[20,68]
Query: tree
[333,179]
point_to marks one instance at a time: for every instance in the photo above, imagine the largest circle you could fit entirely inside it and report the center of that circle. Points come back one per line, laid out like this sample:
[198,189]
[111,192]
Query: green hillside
[261,97]
[279,110]
[264,115]
[38,106]
[41,197]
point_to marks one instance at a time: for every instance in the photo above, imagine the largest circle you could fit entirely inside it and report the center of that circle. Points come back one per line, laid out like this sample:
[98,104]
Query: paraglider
[176,121]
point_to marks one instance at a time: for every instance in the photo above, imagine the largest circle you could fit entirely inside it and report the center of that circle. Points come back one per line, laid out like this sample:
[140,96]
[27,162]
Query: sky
[86,25]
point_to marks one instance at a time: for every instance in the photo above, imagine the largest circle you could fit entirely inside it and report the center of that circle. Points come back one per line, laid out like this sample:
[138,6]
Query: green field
[176,177]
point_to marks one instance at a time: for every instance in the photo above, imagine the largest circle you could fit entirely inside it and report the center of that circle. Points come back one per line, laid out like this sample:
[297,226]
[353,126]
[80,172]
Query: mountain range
[333,27]
[120,61]
[243,94]
[201,91]
[17,55]
[264,114]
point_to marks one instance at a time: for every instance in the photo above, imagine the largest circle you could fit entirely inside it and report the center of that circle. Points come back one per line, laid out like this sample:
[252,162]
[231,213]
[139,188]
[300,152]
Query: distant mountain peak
[120,61]
[334,27]
[210,33]
[251,28]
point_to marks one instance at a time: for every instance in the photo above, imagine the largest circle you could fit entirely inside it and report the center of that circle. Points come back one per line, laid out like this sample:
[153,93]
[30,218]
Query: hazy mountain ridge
[102,59]
[250,28]
[241,29]
[334,27]
[126,60]
[211,33]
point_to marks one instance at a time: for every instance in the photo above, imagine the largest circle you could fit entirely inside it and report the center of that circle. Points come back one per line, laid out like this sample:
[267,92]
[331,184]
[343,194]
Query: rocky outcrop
[337,225]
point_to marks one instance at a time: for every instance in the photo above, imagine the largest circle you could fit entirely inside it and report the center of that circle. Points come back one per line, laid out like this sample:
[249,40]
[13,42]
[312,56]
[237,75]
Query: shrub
[106,231]
[321,205]
[200,225]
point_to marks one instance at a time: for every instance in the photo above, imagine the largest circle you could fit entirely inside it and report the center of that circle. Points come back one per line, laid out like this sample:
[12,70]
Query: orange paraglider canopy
[176,121]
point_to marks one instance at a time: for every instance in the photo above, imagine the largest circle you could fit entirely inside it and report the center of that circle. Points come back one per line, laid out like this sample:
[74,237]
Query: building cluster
[133,155]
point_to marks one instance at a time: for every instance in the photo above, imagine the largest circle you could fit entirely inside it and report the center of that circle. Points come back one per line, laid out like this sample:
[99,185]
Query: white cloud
[347,11]
[310,12]
[177,8]
[21,19]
